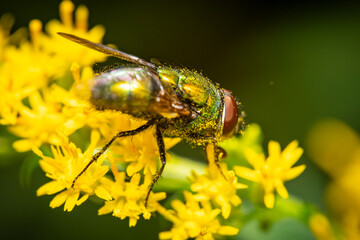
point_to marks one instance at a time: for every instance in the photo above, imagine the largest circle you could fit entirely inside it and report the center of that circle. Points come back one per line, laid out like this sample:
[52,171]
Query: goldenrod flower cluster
[273,171]
[45,87]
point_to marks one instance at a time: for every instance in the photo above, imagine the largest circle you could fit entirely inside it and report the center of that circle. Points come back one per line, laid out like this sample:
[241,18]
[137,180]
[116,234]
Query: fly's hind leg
[118,135]
[161,146]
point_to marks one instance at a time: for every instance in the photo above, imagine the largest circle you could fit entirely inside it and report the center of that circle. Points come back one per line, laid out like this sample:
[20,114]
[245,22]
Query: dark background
[290,64]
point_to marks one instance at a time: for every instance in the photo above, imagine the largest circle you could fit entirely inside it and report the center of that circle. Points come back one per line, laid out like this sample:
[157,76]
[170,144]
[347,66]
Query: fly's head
[232,117]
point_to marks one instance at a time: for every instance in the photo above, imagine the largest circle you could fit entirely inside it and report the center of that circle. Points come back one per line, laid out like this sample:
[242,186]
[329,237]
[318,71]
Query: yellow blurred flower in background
[335,147]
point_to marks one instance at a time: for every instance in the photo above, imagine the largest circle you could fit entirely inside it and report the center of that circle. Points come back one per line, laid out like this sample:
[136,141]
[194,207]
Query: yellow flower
[45,117]
[321,227]
[127,199]
[24,70]
[108,122]
[12,93]
[215,187]
[192,220]
[335,148]
[33,65]
[6,23]
[67,163]
[141,151]
[66,50]
[29,64]
[350,222]
[83,80]
[272,172]
[331,144]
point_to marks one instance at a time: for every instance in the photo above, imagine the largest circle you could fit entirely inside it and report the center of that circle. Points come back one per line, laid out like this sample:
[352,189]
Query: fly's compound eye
[230,113]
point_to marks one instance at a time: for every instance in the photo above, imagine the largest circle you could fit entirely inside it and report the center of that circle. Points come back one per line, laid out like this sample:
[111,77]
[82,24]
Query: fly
[177,102]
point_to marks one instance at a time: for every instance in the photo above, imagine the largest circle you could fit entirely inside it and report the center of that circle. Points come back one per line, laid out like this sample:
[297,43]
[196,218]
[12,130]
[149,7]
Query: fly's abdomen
[130,90]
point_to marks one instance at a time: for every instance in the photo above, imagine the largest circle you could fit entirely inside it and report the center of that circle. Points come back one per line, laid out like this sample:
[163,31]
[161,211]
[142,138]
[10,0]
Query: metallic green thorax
[203,96]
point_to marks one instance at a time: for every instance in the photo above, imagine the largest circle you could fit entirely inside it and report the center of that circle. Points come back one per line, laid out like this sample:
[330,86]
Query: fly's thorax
[204,99]
[127,89]
[190,86]
[169,76]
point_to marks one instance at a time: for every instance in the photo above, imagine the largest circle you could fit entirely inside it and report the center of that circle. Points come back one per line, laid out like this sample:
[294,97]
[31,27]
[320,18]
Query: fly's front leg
[213,154]
[162,153]
[118,135]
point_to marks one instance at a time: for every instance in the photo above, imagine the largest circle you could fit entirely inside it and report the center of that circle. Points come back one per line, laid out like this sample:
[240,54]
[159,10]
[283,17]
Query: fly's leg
[213,153]
[107,145]
[218,151]
[161,146]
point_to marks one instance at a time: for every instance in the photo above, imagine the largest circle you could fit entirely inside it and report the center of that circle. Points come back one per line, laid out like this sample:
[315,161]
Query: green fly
[177,102]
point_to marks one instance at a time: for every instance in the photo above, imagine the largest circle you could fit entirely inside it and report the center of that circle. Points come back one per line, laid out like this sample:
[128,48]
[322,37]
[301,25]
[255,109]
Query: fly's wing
[108,50]
[167,101]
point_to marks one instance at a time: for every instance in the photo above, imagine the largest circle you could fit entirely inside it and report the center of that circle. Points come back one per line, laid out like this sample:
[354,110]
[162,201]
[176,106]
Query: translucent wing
[108,50]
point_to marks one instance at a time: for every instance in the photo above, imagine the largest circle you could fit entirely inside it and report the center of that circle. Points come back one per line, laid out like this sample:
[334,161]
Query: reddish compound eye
[231,113]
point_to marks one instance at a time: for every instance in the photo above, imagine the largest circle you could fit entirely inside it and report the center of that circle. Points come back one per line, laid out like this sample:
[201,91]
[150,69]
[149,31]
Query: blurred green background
[290,64]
